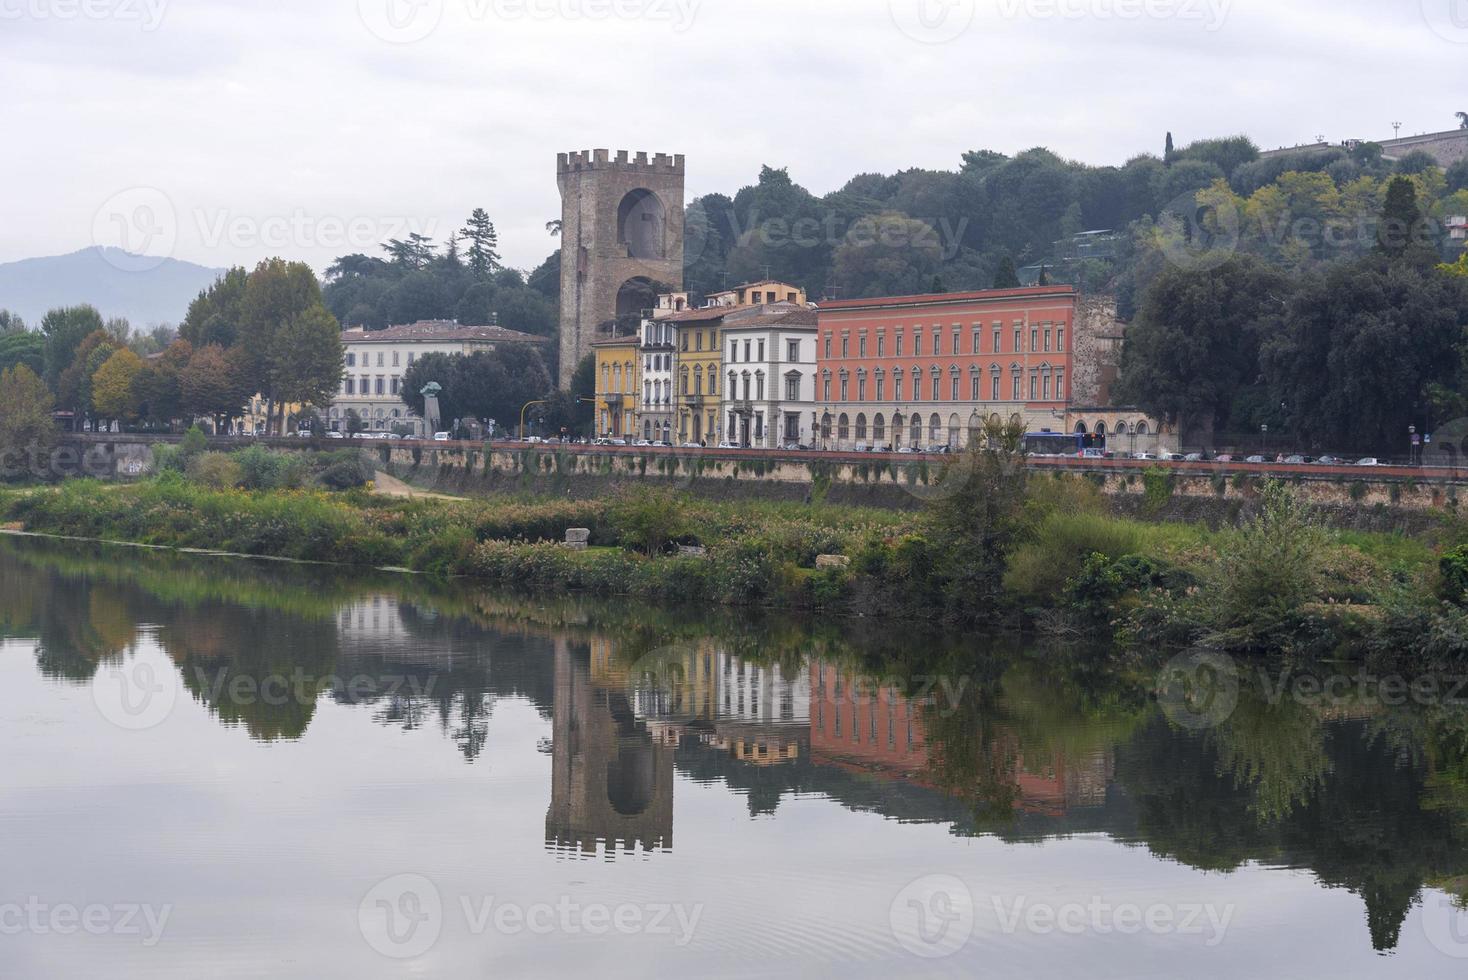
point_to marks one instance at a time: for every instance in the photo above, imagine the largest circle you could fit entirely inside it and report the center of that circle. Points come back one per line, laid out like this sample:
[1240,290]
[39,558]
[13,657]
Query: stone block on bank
[577,538]
[692,551]
[832,561]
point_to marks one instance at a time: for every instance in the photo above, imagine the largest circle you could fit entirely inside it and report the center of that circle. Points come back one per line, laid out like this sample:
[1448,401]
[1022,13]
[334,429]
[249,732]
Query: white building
[655,418]
[769,364]
[377,359]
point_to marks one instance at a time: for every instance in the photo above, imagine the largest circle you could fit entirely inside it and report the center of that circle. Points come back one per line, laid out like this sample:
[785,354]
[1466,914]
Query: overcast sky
[223,131]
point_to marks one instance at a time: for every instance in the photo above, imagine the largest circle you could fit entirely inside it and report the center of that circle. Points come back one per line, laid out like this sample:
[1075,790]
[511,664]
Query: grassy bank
[1003,547]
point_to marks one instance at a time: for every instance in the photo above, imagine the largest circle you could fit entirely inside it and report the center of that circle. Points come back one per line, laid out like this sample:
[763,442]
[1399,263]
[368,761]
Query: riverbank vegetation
[995,545]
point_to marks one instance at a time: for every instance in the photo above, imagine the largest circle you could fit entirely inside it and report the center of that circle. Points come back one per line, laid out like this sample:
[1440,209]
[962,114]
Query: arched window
[1100,428]
[826,426]
[897,422]
[640,225]
[843,428]
[917,430]
[1081,428]
[937,383]
[953,428]
[683,381]
[975,428]
[879,429]
[861,427]
[935,430]
[1141,428]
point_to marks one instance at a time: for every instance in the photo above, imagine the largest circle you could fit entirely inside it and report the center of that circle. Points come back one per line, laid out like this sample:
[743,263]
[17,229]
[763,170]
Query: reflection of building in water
[857,724]
[611,779]
[375,619]
[755,713]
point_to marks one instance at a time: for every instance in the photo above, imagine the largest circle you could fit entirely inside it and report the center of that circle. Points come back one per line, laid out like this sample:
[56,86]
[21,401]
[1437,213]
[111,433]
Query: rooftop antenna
[1320,138]
[767,273]
[1396,130]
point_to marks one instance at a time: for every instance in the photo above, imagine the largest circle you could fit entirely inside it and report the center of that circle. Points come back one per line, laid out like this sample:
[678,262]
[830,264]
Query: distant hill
[142,288]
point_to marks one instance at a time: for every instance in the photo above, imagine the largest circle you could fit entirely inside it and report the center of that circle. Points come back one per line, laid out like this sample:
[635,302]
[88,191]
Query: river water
[223,768]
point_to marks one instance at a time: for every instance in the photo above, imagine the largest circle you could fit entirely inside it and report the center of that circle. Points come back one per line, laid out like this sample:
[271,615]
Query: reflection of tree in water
[1275,751]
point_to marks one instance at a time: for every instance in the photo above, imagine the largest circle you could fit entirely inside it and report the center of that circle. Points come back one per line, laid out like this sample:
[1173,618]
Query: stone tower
[621,244]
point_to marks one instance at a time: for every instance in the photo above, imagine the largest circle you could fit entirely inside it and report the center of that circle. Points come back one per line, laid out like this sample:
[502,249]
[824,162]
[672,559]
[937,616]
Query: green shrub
[1358,491]
[1041,567]
[1453,566]
[215,470]
[194,442]
[1270,568]
[646,519]
[266,470]
[1158,485]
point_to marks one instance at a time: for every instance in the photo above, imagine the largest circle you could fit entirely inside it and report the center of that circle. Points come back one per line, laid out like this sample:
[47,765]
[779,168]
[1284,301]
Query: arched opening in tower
[642,225]
[634,298]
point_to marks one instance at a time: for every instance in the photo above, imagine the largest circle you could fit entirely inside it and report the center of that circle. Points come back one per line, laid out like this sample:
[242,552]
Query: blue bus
[1062,443]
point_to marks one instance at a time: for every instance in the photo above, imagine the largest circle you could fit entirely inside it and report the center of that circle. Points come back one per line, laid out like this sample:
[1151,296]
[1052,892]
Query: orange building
[930,370]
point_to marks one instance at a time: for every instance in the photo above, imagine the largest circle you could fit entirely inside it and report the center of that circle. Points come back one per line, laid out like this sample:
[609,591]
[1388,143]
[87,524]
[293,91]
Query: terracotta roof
[438,331]
[931,299]
[777,314]
[703,314]
[631,340]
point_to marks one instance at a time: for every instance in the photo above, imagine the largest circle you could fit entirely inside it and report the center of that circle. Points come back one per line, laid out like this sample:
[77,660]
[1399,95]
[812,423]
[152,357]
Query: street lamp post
[1264,434]
[1412,446]
[526,409]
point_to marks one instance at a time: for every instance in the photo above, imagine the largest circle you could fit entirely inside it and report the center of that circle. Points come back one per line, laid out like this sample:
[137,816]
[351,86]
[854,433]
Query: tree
[306,358]
[1168,151]
[26,426]
[1006,277]
[1195,343]
[1360,348]
[217,314]
[74,386]
[64,330]
[483,241]
[209,386]
[1459,268]
[10,323]
[23,348]
[886,255]
[1463,120]
[156,393]
[112,386]
[1401,232]
[276,294]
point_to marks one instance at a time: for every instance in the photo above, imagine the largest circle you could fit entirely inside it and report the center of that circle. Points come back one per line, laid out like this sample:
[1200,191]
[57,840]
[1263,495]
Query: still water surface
[221,768]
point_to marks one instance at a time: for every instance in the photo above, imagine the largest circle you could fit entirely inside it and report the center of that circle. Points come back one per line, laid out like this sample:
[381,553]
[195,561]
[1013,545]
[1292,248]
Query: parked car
[1330,461]
[335,435]
[730,445]
[1145,456]
[1225,458]
[1256,459]
[1368,461]
[1093,454]
[1195,458]
[1297,460]
[440,437]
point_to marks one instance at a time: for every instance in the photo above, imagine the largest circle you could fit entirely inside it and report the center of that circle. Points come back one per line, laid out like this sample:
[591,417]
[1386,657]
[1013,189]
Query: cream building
[376,361]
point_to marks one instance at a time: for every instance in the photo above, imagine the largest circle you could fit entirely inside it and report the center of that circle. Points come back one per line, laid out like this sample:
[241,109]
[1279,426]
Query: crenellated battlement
[625,162]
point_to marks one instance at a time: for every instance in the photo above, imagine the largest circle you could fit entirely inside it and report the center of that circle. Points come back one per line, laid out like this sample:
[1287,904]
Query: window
[882,344]
[844,383]
[395,359]
[351,386]
[881,384]
[759,386]
[685,341]
[746,350]
[1034,338]
[937,341]
[1019,340]
[973,385]
[898,351]
[1034,385]
[379,358]
[1060,386]
[381,383]
[897,386]
[412,357]
[1047,337]
[698,340]
[998,340]
[1014,388]
[792,388]
[953,388]
[396,384]
[917,342]
[1060,337]
[746,387]
[977,332]
[828,345]
[734,352]
[957,330]
[845,345]
[936,395]
[351,360]
[994,386]
[793,353]
[861,386]
[713,381]
[732,382]
[862,345]
[826,387]
[761,350]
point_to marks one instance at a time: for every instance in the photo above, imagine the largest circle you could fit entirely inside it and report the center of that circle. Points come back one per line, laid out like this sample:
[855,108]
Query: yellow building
[616,387]
[698,352]
[758,293]
[255,422]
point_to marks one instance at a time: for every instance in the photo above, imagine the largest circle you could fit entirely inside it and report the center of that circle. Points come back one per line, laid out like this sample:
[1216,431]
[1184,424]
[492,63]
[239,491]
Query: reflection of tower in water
[611,780]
